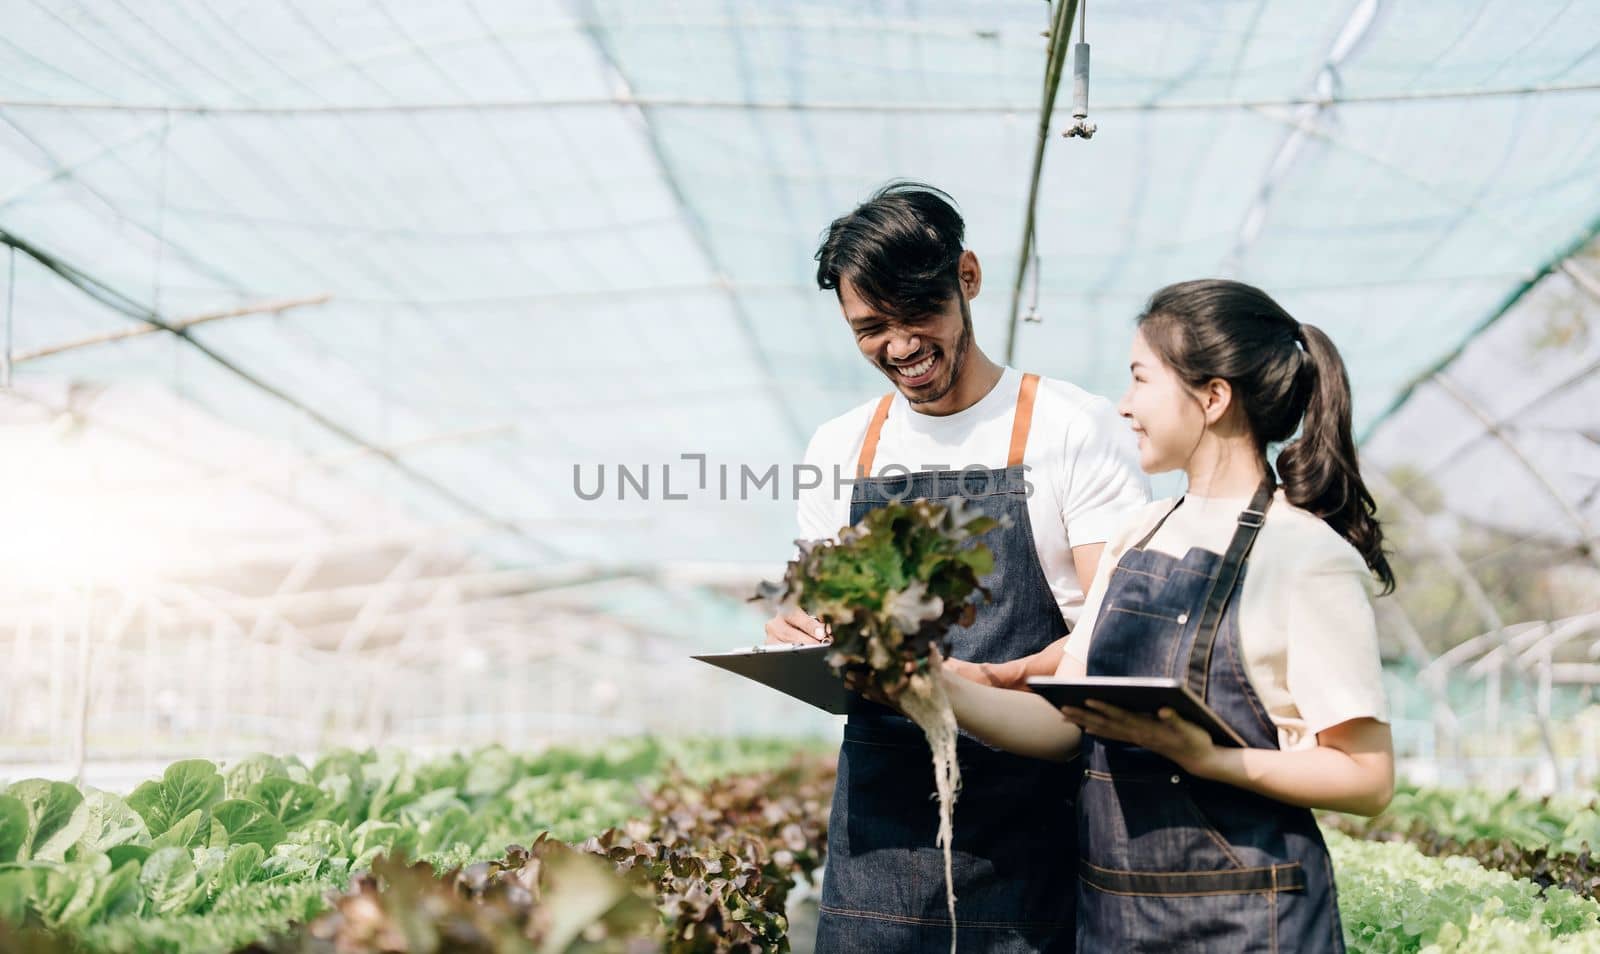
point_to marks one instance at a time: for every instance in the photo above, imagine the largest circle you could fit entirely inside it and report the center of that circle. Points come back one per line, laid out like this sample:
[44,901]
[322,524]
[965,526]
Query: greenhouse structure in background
[432,376]
[395,398]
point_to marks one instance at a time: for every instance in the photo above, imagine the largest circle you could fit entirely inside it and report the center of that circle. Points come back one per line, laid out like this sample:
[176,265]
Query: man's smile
[920,373]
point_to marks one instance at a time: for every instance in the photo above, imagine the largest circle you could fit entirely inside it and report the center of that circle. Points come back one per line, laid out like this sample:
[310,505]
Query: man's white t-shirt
[1306,625]
[1081,461]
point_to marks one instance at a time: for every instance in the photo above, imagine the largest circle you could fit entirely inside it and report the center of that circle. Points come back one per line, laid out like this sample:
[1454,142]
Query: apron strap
[1021,422]
[1144,541]
[1222,584]
[869,445]
[1023,419]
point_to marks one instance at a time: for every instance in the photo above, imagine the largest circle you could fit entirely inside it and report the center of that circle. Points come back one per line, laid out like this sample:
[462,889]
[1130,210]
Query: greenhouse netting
[381,381]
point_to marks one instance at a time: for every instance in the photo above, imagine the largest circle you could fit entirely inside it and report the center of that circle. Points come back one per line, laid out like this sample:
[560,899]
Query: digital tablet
[1136,694]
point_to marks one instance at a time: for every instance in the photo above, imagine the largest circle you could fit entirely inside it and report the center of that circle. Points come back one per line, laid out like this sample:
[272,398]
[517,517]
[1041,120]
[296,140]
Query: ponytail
[1319,470]
[1286,376]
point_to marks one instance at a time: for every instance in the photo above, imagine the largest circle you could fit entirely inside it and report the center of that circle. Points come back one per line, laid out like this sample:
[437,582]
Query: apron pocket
[1006,803]
[1164,923]
[1148,822]
[886,780]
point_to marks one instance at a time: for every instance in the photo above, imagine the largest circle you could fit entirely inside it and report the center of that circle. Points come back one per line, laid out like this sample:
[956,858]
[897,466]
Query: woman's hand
[970,671]
[1168,734]
[1008,675]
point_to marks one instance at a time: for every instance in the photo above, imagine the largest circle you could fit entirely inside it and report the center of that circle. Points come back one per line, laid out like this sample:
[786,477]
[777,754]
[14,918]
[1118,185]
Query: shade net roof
[1506,436]
[580,235]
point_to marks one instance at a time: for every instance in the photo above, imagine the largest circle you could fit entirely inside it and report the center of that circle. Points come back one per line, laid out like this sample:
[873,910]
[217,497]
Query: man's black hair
[900,249]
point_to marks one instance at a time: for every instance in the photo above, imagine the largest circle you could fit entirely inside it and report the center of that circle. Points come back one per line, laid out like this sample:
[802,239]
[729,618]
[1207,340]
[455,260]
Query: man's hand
[796,628]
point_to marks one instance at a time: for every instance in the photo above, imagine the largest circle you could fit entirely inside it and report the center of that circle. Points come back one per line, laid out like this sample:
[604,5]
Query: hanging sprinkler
[1081,127]
[1033,285]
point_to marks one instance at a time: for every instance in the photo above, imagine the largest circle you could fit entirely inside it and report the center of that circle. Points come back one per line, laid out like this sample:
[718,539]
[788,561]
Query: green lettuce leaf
[247,822]
[187,786]
[55,817]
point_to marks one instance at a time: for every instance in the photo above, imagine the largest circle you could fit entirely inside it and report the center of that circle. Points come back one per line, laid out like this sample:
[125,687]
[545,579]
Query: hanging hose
[1055,59]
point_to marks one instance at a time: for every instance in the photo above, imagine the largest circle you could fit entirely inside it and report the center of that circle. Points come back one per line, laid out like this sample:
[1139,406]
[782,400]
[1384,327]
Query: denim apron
[883,888]
[1175,863]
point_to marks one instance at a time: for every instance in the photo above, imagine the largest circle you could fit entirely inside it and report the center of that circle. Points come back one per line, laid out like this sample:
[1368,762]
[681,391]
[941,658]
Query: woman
[1259,597]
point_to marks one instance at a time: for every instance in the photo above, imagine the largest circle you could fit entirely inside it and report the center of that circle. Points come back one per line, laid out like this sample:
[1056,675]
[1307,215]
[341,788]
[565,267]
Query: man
[1059,463]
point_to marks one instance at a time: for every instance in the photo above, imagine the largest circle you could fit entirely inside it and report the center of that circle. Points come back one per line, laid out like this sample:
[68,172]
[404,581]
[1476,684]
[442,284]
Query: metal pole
[11,299]
[80,735]
[626,98]
[180,324]
[1055,56]
[58,664]
[1581,277]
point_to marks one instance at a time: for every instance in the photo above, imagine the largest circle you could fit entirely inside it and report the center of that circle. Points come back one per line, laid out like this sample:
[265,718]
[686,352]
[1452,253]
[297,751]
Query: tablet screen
[1136,694]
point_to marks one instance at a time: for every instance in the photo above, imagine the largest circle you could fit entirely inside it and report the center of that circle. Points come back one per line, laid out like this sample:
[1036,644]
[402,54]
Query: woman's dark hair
[1284,375]
[901,249]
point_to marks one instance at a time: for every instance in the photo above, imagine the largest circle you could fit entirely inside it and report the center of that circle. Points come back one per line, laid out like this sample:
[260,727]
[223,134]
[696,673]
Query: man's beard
[956,361]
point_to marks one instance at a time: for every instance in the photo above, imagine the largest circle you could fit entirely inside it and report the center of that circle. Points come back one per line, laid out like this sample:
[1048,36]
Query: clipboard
[798,671]
[1146,695]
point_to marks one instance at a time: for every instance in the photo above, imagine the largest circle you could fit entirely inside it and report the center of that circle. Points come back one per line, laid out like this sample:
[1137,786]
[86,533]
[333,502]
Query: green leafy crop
[892,586]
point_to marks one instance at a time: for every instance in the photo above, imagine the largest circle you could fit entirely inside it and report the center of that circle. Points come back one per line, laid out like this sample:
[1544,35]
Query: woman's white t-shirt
[1306,625]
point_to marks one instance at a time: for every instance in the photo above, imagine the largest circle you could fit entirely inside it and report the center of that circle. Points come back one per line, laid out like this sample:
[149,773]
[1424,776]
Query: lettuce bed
[209,858]
[269,854]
